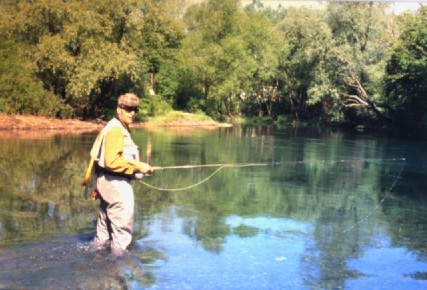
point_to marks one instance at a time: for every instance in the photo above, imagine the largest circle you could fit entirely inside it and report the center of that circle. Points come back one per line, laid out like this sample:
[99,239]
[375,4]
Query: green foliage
[308,39]
[161,35]
[86,53]
[227,53]
[178,117]
[91,56]
[153,106]
[213,53]
[406,78]
[265,47]
[73,58]
[20,91]
[284,119]
[358,56]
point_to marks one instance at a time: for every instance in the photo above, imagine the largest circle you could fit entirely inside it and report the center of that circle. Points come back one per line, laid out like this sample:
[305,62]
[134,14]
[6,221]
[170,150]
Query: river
[297,208]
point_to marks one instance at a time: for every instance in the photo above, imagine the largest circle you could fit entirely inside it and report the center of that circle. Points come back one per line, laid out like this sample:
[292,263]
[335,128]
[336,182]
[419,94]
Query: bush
[284,119]
[152,106]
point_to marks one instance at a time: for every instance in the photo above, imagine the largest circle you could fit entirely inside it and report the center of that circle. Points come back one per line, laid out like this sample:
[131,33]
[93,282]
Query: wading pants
[116,210]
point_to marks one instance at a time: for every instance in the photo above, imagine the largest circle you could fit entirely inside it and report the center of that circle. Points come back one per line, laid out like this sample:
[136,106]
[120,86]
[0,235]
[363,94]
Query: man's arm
[114,160]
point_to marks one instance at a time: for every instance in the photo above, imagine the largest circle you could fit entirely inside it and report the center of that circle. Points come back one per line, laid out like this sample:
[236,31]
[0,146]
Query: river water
[317,209]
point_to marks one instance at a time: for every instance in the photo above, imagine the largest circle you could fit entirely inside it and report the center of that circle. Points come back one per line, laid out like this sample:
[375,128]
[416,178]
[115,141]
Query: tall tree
[359,55]
[232,54]
[406,74]
[265,46]
[21,91]
[86,52]
[162,33]
[214,53]
[308,40]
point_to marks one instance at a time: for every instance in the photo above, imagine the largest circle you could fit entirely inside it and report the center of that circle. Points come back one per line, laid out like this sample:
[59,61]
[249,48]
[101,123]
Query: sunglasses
[129,108]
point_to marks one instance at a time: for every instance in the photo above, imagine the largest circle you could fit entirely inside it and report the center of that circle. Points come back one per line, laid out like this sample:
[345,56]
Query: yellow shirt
[114,161]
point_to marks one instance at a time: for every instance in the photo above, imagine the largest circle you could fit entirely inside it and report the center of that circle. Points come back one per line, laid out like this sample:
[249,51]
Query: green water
[330,210]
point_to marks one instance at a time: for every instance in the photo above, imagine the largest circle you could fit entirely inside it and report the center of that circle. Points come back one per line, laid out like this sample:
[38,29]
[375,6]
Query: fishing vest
[130,149]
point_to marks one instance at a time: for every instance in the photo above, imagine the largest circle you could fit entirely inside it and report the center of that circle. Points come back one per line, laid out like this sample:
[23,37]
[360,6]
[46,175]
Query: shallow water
[330,210]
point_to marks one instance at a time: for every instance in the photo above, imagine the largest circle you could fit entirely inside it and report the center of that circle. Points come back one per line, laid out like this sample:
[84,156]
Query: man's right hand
[145,168]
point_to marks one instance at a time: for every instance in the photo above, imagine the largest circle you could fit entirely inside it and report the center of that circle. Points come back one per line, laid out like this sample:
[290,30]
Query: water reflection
[320,218]
[268,259]
[395,266]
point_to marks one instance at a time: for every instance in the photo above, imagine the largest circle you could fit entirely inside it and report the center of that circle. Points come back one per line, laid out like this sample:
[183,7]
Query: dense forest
[352,63]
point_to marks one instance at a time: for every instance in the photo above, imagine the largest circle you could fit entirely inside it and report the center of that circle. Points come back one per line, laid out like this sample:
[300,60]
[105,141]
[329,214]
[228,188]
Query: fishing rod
[191,166]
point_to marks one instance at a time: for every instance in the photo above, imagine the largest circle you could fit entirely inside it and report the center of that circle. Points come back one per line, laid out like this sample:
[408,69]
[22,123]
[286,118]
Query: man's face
[126,114]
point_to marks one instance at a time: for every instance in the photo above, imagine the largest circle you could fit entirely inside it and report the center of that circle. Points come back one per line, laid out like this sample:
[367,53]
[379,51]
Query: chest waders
[116,210]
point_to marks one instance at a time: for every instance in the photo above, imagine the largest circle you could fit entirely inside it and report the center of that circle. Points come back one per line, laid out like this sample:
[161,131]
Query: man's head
[127,107]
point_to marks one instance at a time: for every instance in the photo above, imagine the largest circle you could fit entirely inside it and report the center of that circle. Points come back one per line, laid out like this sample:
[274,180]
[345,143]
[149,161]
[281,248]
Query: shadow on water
[71,262]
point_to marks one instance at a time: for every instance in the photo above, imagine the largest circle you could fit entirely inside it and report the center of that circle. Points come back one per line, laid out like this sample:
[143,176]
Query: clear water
[334,211]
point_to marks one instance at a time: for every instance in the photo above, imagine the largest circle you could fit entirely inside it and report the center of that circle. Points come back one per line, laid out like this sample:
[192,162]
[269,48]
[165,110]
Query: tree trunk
[206,90]
[272,99]
[361,98]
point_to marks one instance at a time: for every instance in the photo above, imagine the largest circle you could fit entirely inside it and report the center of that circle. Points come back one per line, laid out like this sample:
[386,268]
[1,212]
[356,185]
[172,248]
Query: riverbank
[19,122]
[36,126]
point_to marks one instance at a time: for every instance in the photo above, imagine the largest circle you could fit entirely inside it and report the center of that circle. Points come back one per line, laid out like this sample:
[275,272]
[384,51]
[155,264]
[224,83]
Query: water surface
[329,210]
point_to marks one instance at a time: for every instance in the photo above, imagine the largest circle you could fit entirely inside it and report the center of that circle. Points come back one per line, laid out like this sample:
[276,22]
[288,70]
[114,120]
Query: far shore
[36,126]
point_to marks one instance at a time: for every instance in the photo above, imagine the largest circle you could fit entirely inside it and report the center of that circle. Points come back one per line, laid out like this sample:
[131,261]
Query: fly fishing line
[183,188]
[220,167]
[388,192]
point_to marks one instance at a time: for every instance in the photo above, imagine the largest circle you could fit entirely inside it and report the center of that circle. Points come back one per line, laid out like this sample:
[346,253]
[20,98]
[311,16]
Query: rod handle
[88,171]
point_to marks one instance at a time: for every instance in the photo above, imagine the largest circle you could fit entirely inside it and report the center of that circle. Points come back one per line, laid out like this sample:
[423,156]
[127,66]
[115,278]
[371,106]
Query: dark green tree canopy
[406,74]
[350,63]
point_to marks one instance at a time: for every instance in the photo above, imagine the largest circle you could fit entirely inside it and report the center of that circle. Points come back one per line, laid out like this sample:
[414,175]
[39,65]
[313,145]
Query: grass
[176,118]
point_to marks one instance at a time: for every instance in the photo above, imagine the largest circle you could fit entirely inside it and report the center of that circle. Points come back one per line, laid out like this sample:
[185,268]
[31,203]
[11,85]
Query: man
[117,163]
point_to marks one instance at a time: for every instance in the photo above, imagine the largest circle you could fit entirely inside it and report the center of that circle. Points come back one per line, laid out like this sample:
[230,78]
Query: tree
[214,54]
[406,75]
[308,40]
[86,52]
[95,56]
[358,56]
[232,55]
[162,33]
[264,45]
[21,92]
